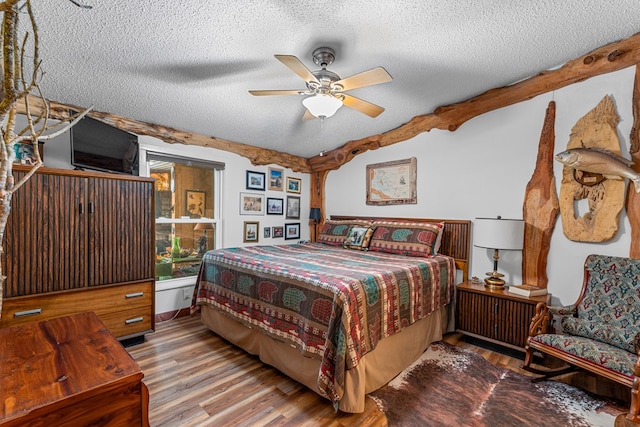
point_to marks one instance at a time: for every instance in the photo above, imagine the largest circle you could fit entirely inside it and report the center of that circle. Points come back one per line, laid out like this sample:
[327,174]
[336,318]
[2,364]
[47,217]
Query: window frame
[149,154]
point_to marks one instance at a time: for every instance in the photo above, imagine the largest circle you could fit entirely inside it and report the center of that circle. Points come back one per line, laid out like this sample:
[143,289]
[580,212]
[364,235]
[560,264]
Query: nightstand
[495,315]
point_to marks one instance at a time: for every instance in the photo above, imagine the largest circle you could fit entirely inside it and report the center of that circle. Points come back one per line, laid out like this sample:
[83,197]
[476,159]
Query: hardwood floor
[195,378]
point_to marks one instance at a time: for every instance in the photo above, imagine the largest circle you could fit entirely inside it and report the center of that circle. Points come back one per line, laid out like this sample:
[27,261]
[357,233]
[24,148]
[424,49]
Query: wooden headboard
[456,237]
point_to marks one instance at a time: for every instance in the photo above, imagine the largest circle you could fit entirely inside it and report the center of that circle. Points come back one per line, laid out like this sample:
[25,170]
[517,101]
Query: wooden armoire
[81,241]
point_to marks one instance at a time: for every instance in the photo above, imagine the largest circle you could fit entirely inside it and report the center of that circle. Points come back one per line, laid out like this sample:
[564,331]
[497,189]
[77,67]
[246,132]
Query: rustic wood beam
[633,199]
[609,58]
[316,193]
[257,155]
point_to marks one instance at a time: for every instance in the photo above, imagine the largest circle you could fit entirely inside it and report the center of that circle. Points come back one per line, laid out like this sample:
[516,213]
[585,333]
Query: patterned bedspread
[331,303]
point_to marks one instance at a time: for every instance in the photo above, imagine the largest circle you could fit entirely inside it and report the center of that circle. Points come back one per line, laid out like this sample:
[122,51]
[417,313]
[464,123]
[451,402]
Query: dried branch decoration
[17,87]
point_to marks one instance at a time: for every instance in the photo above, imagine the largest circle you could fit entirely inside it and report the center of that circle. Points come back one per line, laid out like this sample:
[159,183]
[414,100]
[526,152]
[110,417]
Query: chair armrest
[563,310]
[540,321]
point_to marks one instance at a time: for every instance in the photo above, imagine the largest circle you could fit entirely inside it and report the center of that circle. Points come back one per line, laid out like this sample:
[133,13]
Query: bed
[346,314]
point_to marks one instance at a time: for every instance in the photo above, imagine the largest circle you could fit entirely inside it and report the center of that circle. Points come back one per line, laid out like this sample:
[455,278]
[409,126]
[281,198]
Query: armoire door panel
[120,217]
[45,236]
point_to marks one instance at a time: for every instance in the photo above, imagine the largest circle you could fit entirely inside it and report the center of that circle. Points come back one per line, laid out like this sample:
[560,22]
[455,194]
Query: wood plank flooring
[195,378]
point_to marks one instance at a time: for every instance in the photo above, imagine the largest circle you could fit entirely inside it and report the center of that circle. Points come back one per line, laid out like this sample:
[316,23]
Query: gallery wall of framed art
[269,192]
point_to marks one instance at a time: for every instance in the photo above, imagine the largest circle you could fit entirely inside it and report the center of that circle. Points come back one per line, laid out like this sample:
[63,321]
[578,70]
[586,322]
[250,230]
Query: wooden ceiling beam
[609,58]
[257,155]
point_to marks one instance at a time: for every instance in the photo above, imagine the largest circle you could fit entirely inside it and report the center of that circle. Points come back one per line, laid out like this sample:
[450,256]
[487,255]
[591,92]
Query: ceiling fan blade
[297,67]
[308,115]
[366,78]
[276,92]
[365,107]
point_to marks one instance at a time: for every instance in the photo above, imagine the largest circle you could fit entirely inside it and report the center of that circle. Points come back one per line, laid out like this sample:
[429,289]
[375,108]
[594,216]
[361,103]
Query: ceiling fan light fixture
[321,105]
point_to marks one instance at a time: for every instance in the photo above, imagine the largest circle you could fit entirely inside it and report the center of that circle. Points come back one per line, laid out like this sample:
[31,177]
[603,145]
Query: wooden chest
[69,371]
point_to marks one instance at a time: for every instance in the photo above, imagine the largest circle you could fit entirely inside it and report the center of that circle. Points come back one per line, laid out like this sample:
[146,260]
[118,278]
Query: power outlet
[186,293]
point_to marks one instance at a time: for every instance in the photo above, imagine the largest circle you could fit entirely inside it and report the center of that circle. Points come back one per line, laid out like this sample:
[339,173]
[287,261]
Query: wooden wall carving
[541,207]
[598,223]
[633,198]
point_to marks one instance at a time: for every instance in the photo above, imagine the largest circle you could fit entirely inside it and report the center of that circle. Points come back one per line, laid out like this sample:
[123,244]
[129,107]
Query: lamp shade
[322,105]
[314,214]
[498,233]
[203,226]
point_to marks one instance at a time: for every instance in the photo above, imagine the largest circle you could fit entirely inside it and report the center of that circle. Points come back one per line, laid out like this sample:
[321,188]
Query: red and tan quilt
[331,303]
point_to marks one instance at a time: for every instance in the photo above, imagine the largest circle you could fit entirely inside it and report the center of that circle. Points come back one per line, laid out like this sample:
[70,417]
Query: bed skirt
[375,369]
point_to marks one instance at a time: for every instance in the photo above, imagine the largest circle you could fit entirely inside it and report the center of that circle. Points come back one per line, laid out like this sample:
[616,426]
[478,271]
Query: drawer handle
[134,295]
[27,312]
[134,320]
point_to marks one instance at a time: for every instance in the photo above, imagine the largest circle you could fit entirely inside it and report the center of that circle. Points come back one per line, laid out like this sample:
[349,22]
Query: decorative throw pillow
[407,238]
[358,238]
[334,232]
[625,338]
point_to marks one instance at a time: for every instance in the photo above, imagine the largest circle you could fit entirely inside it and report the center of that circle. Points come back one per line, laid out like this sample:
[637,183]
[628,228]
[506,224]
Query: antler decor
[17,85]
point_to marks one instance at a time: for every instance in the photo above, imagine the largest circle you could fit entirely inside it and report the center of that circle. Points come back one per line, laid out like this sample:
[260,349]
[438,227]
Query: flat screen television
[99,146]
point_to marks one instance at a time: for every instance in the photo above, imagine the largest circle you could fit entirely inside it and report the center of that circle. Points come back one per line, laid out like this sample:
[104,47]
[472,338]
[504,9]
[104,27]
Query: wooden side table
[69,371]
[495,315]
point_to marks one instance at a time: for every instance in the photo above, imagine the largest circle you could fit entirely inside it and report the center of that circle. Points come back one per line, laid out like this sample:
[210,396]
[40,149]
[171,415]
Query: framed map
[392,183]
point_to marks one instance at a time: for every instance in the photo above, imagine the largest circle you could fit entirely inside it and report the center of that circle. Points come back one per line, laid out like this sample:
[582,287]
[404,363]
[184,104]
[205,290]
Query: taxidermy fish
[600,161]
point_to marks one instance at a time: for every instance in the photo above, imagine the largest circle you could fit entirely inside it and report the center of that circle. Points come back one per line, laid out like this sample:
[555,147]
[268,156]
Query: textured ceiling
[189,64]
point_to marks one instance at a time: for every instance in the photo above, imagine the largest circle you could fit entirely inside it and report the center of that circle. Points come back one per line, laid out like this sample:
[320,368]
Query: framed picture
[277,231]
[293,185]
[251,232]
[194,203]
[251,204]
[392,183]
[255,180]
[25,154]
[293,207]
[275,206]
[276,179]
[267,232]
[292,231]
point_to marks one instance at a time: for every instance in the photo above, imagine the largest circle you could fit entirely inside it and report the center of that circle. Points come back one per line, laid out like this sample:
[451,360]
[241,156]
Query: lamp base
[494,280]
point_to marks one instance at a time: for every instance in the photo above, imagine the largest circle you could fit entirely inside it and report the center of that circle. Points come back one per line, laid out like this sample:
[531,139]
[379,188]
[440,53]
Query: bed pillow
[334,232]
[407,238]
[358,238]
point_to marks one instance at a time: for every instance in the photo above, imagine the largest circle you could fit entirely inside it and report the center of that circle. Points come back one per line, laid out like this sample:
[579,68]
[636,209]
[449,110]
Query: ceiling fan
[325,89]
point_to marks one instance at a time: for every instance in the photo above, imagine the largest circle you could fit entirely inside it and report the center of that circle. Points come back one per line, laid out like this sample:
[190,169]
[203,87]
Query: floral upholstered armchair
[601,331]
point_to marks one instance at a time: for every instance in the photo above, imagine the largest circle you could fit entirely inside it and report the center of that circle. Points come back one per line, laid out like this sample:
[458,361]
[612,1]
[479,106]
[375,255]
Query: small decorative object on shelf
[202,240]
[527,290]
[175,248]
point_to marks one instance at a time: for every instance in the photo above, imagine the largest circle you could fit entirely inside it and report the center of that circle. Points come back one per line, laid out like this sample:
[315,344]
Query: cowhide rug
[451,386]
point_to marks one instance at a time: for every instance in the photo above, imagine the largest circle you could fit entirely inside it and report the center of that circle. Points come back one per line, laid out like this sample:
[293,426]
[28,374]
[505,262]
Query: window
[187,199]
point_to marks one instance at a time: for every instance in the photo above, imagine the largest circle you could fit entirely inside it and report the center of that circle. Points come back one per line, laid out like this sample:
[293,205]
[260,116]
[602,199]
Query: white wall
[482,169]
[169,294]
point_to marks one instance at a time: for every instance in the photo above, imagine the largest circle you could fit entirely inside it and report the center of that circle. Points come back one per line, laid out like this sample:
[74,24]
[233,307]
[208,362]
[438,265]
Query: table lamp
[314,214]
[202,241]
[497,234]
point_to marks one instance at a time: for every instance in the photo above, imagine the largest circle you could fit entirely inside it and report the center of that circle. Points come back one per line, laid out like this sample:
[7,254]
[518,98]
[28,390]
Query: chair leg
[634,410]
[528,358]
[546,374]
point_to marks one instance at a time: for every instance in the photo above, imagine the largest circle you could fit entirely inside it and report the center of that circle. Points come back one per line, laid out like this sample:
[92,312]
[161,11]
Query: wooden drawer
[135,321]
[102,300]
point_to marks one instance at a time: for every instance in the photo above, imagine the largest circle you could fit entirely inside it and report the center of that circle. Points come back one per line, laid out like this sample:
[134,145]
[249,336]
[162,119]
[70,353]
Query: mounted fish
[590,204]
[600,161]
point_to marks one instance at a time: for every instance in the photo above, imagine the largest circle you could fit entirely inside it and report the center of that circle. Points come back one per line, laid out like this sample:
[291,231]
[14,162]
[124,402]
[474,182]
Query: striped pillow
[407,238]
